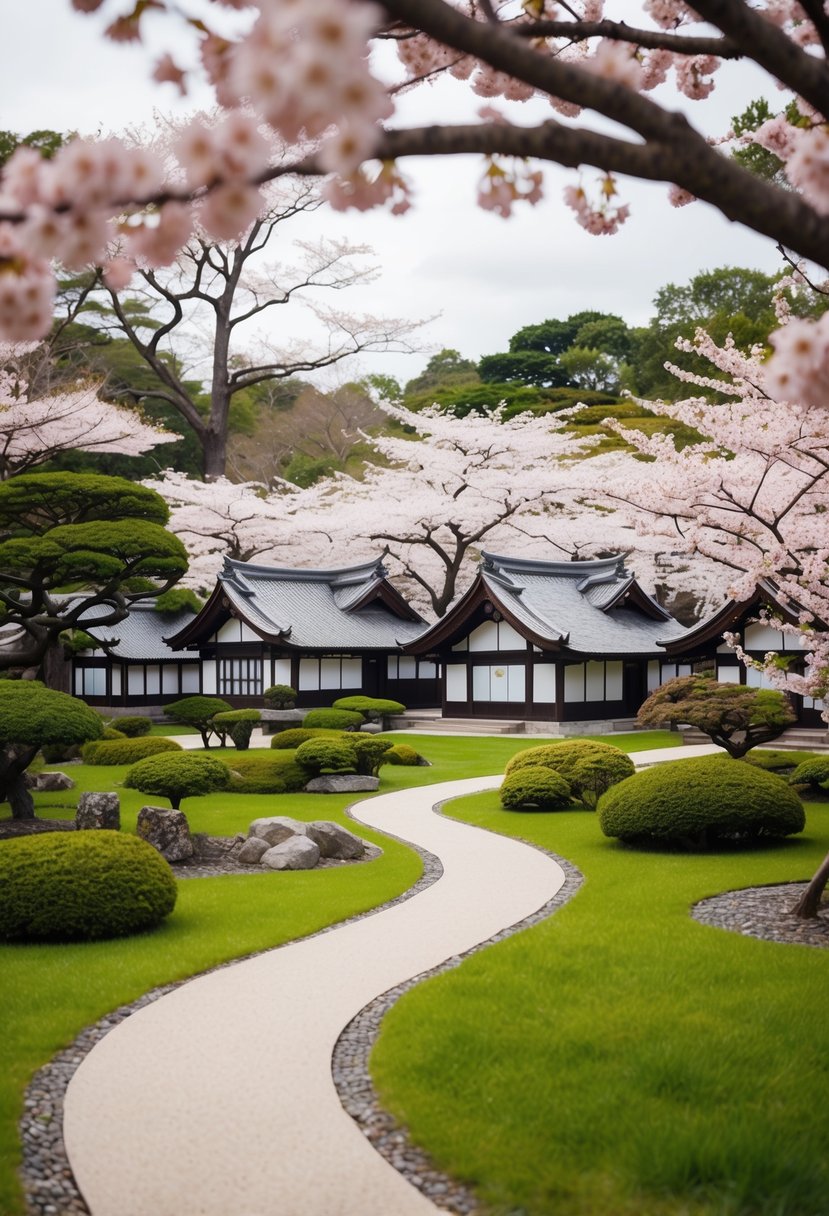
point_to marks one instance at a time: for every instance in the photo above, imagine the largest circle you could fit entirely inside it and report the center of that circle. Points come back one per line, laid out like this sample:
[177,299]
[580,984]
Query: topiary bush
[534,788]
[813,773]
[588,767]
[126,751]
[401,753]
[279,696]
[372,708]
[289,739]
[371,753]
[178,776]
[198,711]
[696,803]
[269,774]
[239,724]
[326,756]
[333,719]
[133,725]
[67,886]
[110,732]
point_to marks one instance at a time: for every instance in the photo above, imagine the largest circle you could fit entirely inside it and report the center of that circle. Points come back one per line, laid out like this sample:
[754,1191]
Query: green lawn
[621,1058]
[52,992]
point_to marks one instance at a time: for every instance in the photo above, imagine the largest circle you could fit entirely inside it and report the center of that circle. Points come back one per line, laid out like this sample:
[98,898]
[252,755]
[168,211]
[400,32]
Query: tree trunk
[56,669]
[214,454]
[808,906]
[20,799]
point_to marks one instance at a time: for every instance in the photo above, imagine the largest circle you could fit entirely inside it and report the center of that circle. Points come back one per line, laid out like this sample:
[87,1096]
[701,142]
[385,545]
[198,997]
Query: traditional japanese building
[552,641]
[138,669]
[703,646]
[325,633]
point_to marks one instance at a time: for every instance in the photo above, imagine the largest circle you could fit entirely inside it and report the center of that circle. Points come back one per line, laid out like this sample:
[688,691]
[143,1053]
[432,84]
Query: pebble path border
[47,1179]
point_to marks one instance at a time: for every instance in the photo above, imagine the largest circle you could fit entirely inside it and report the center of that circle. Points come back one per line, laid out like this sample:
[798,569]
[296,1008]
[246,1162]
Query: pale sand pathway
[217,1100]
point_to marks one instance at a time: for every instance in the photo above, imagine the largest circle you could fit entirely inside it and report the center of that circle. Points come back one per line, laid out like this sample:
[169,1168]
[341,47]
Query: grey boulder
[253,850]
[166,830]
[335,841]
[342,783]
[296,853]
[96,811]
[277,828]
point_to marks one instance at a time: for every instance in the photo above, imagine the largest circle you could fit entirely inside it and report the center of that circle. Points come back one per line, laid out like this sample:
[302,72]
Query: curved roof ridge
[234,568]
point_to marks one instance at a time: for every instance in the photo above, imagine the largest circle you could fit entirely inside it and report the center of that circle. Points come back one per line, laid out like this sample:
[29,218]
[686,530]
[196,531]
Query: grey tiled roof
[315,609]
[572,603]
[141,635]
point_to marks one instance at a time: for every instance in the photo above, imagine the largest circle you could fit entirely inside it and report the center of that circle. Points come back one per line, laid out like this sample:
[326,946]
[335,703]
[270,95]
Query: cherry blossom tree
[74,417]
[222,283]
[752,497]
[454,486]
[303,69]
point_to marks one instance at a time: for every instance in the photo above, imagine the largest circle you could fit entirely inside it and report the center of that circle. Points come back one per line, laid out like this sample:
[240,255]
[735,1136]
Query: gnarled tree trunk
[808,905]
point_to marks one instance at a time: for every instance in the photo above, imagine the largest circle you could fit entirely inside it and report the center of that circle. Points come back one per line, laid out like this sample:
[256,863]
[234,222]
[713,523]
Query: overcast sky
[486,276]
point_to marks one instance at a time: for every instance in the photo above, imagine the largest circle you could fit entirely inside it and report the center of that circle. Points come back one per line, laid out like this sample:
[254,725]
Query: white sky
[486,276]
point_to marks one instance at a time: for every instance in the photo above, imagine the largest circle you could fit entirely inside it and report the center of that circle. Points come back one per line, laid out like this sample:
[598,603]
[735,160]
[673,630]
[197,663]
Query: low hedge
[371,708]
[266,774]
[291,738]
[333,719]
[699,802]
[588,767]
[133,725]
[111,732]
[326,755]
[813,773]
[126,751]
[178,775]
[534,788]
[69,886]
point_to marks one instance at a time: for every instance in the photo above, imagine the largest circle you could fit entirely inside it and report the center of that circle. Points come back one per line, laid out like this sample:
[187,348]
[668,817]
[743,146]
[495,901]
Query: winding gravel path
[218,1097]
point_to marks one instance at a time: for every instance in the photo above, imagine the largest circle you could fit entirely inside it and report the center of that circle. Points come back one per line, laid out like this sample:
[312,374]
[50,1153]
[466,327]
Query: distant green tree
[44,142]
[447,369]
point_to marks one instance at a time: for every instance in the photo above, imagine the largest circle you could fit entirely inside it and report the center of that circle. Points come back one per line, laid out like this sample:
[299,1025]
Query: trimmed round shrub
[70,886]
[289,739]
[326,756]
[699,802]
[588,767]
[178,776]
[813,773]
[239,724]
[534,788]
[371,753]
[371,708]
[333,719]
[401,753]
[271,774]
[279,696]
[110,732]
[133,725]
[127,751]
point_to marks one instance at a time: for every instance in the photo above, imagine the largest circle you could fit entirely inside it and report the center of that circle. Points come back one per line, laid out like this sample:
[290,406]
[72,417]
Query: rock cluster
[276,843]
[48,783]
[282,843]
